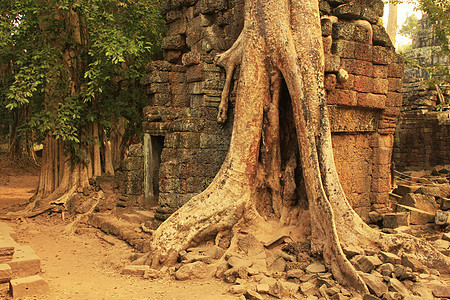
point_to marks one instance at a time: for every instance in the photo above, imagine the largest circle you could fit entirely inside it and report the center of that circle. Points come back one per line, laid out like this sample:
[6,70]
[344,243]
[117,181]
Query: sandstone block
[332,63]
[357,67]
[135,270]
[174,42]
[391,258]
[343,49]
[6,250]
[342,97]
[417,216]
[25,262]
[29,286]
[380,36]
[394,220]
[193,270]
[374,283]
[5,273]
[382,55]
[371,100]
[426,203]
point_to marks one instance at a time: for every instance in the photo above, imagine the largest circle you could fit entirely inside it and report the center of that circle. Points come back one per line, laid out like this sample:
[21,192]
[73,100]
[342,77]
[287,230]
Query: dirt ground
[84,266]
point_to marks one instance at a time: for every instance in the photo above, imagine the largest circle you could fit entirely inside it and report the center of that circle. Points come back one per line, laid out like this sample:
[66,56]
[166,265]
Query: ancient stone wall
[422,138]
[363,83]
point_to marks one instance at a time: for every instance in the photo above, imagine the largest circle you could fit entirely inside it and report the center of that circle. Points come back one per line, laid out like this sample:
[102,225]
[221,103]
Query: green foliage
[409,28]
[72,61]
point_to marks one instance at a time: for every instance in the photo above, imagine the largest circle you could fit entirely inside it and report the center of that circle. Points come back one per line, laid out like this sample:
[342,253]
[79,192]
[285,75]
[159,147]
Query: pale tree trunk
[281,41]
[391,27]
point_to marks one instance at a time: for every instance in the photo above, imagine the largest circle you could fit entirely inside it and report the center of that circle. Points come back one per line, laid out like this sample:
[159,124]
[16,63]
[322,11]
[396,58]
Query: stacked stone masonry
[363,80]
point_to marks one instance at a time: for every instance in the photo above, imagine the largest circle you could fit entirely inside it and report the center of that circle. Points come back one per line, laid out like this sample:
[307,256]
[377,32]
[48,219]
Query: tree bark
[281,42]
[391,26]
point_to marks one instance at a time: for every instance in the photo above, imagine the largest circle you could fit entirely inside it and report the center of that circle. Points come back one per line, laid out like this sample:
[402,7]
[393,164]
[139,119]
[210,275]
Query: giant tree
[280,45]
[82,60]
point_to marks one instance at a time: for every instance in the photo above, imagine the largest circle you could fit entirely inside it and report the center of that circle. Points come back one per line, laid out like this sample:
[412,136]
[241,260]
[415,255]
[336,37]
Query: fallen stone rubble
[19,268]
[289,272]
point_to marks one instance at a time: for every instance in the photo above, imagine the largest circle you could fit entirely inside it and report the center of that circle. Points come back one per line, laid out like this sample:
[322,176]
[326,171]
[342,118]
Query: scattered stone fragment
[413,263]
[307,277]
[215,252]
[396,286]
[295,273]
[253,295]
[446,237]
[238,289]
[338,296]
[152,274]
[374,283]
[417,216]
[367,263]
[388,257]
[445,203]
[387,269]
[279,265]
[442,217]
[420,201]
[135,270]
[315,268]
[351,251]
[307,288]
[29,286]
[262,288]
[238,262]
[283,289]
[370,297]
[441,291]
[193,270]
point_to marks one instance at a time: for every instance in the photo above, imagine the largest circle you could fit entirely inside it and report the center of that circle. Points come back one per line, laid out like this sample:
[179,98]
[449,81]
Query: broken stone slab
[5,273]
[237,289]
[283,289]
[253,295]
[308,288]
[193,270]
[374,283]
[29,286]
[315,268]
[441,291]
[420,201]
[7,249]
[445,203]
[262,288]
[403,190]
[387,269]
[152,274]
[295,273]
[396,286]
[446,237]
[237,262]
[442,218]
[395,220]
[135,270]
[351,251]
[366,263]
[416,216]
[388,257]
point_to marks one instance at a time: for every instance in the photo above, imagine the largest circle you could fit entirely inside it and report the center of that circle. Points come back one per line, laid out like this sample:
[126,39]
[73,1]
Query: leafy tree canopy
[107,52]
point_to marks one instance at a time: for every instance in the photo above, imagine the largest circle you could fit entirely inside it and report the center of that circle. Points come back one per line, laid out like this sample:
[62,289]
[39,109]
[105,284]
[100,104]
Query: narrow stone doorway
[153,146]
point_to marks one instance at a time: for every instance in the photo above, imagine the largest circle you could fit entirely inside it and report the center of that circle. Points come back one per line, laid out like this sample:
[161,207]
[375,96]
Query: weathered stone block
[210,6]
[380,71]
[174,42]
[417,216]
[380,86]
[5,273]
[394,220]
[371,100]
[395,85]
[363,51]
[382,55]
[6,250]
[342,97]
[380,36]
[330,81]
[394,99]
[327,26]
[135,270]
[343,49]
[332,63]
[29,286]
[426,203]
[357,67]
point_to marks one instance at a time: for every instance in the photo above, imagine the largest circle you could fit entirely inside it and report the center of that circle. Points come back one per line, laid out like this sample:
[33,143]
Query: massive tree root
[281,39]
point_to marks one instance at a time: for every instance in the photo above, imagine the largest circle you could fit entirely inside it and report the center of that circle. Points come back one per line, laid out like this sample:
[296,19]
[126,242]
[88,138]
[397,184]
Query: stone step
[7,249]
[25,262]
[28,286]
